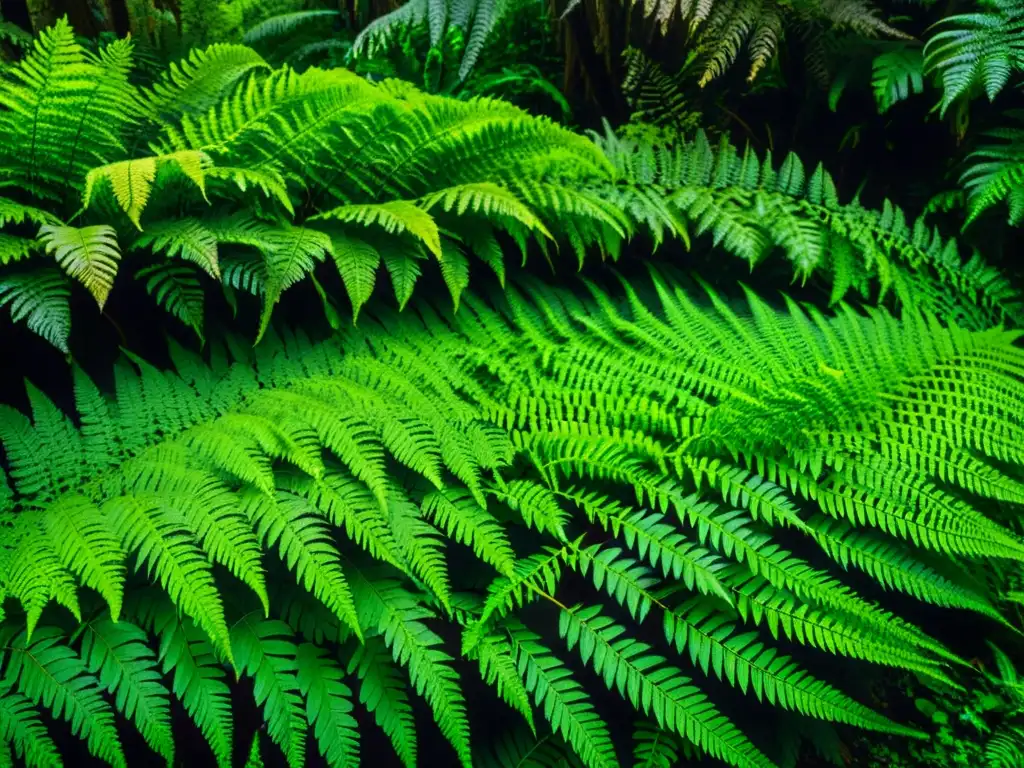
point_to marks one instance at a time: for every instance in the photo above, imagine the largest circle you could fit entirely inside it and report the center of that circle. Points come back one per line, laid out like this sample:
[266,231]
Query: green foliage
[722,29]
[294,517]
[994,172]
[254,174]
[979,725]
[976,52]
[476,20]
[680,479]
[752,207]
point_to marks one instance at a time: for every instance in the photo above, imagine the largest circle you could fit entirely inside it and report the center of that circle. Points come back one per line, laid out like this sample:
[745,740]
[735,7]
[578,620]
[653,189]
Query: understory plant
[616,477]
[384,505]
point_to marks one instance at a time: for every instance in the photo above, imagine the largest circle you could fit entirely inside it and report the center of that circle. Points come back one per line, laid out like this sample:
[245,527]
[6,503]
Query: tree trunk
[41,14]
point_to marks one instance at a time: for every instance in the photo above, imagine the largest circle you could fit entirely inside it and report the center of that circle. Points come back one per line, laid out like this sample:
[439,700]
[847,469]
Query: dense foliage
[317,448]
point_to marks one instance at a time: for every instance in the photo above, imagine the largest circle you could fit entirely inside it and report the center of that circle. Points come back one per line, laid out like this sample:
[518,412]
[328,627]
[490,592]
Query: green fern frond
[176,562]
[45,671]
[328,706]
[65,111]
[896,74]
[41,300]
[748,206]
[566,705]
[177,290]
[976,51]
[394,217]
[654,747]
[498,670]
[654,689]
[197,82]
[125,666]
[91,255]
[994,173]
[282,24]
[1006,748]
[463,519]
[21,727]
[132,181]
[305,545]
[388,609]
[263,649]
[382,692]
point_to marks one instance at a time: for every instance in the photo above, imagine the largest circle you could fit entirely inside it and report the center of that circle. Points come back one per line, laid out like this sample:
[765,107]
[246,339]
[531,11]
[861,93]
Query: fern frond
[41,300]
[48,673]
[65,111]
[328,706]
[176,562]
[194,84]
[125,666]
[305,545]
[566,705]
[382,692]
[263,649]
[89,254]
[177,290]
[21,727]
[132,181]
[993,172]
[498,669]
[655,689]
[394,613]
[394,217]
[976,51]
[654,747]
[465,520]
[896,74]
[283,24]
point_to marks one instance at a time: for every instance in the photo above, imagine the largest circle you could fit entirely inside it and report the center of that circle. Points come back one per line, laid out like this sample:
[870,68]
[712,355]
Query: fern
[45,671]
[477,21]
[567,707]
[977,51]
[263,651]
[122,662]
[750,207]
[328,706]
[413,645]
[993,173]
[722,29]
[42,300]
[429,483]
[896,74]
[382,692]
[221,150]
[178,291]
[90,255]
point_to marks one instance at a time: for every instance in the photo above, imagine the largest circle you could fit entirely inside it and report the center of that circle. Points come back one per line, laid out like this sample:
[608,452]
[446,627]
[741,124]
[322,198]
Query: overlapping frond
[976,52]
[752,207]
